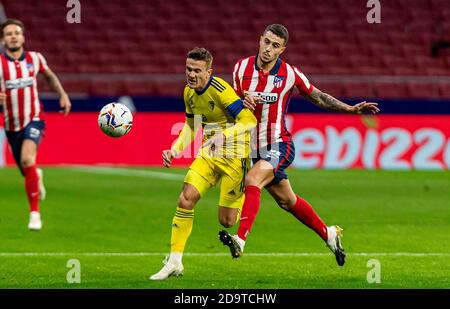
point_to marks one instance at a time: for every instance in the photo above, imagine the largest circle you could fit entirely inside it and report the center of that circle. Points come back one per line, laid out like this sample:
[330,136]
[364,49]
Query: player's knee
[251,180]
[185,202]
[26,161]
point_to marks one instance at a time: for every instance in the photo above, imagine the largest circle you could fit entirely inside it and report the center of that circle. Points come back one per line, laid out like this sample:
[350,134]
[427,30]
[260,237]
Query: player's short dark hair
[200,53]
[11,21]
[279,31]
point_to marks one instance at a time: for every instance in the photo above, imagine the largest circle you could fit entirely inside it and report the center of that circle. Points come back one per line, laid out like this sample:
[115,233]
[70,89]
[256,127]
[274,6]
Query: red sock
[304,212]
[249,210]
[32,186]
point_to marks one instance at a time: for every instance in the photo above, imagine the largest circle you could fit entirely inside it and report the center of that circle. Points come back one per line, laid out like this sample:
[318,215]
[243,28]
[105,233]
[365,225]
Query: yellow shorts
[205,173]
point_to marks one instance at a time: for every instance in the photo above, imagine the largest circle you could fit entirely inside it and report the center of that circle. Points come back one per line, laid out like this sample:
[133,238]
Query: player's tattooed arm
[55,84]
[328,102]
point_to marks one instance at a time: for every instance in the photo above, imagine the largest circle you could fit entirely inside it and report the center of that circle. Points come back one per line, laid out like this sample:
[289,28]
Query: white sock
[241,242]
[176,257]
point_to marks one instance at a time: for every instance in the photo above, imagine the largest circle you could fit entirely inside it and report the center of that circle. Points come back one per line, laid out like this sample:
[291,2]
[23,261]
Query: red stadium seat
[326,37]
[417,90]
[106,88]
[444,90]
[139,88]
[334,89]
[76,86]
[386,90]
[358,90]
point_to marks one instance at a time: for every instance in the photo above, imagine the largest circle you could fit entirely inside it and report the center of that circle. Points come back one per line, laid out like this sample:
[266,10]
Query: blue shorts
[280,156]
[33,131]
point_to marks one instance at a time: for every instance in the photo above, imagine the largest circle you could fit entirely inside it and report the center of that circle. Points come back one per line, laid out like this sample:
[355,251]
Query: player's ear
[282,49]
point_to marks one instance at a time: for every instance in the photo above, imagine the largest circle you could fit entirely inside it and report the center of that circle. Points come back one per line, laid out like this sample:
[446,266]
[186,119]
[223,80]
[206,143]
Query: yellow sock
[181,229]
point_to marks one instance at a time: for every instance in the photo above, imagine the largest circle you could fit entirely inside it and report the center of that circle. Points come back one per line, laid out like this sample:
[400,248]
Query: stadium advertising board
[325,141]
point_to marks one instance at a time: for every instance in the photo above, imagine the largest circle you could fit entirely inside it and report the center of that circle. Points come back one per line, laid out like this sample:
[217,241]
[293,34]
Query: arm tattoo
[326,101]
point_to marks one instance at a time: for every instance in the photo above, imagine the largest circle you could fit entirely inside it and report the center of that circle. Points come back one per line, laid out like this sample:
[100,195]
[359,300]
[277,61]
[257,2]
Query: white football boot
[35,223]
[42,191]
[234,242]
[172,267]
[334,243]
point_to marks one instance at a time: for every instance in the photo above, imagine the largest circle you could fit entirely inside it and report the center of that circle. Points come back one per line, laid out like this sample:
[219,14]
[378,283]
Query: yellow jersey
[220,110]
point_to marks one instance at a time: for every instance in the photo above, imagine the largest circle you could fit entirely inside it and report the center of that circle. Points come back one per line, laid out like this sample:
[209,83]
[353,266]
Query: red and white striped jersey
[274,90]
[18,80]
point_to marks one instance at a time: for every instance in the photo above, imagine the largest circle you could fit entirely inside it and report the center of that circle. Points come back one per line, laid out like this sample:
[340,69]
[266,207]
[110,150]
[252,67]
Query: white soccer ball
[115,119]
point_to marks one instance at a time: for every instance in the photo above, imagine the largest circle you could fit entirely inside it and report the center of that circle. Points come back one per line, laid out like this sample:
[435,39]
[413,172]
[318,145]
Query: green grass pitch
[386,215]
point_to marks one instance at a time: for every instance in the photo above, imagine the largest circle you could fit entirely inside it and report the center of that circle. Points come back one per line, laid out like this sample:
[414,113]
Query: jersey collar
[21,58]
[206,87]
[275,68]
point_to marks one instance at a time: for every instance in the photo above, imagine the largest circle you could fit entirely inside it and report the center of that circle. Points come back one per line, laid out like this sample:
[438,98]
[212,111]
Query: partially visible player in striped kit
[23,114]
[267,83]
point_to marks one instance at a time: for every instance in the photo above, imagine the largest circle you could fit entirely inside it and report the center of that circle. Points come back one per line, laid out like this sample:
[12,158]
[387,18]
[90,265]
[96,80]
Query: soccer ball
[115,119]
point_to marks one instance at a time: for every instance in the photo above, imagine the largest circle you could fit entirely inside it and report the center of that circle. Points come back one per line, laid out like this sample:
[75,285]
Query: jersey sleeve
[302,83]
[188,109]
[236,80]
[187,134]
[42,63]
[228,97]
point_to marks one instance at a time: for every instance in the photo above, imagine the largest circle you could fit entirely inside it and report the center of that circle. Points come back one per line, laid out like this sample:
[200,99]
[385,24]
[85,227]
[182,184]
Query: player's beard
[265,61]
[13,49]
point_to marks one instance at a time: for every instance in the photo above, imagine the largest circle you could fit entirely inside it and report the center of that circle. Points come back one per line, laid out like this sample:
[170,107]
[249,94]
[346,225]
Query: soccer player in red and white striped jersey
[267,83]
[23,113]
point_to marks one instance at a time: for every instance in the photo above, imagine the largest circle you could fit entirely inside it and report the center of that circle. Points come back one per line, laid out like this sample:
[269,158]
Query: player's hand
[214,143]
[2,98]
[365,108]
[250,102]
[168,156]
[64,103]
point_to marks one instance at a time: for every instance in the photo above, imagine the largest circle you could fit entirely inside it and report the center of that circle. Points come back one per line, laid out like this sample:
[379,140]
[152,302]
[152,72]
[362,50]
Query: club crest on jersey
[211,105]
[278,81]
[30,67]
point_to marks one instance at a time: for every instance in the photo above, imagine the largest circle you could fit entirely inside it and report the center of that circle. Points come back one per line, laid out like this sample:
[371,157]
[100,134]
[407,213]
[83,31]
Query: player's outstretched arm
[328,102]
[187,135]
[55,84]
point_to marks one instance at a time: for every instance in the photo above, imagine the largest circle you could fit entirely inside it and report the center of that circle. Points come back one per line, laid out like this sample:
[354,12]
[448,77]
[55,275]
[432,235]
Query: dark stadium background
[134,51]
[116,218]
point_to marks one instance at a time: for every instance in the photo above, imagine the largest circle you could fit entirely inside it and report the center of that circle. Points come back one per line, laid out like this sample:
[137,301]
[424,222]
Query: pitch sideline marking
[271,254]
[126,172]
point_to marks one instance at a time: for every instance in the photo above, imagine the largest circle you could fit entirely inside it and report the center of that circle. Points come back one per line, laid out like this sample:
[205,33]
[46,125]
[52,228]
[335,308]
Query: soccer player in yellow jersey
[222,159]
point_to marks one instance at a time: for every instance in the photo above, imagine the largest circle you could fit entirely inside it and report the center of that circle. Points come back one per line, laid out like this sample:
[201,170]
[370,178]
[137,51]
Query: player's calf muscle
[228,219]
[286,204]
